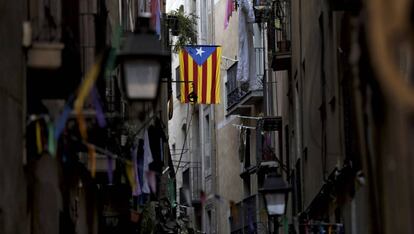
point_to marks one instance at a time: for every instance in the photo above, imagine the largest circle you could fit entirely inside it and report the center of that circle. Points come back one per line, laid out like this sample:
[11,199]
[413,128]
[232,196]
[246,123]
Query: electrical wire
[185,137]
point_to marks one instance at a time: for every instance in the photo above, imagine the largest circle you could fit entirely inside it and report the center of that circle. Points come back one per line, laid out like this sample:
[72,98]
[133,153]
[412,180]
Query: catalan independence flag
[200,74]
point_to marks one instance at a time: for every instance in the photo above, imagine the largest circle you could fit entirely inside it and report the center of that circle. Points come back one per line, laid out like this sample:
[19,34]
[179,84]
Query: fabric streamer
[39,138]
[130,174]
[171,192]
[285,224]
[92,159]
[61,121]
[51,140]
[100,116]
[84,91]
[110,170]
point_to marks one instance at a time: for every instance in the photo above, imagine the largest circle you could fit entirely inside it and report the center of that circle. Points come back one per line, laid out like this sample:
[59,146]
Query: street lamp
[142,59]
[275,191]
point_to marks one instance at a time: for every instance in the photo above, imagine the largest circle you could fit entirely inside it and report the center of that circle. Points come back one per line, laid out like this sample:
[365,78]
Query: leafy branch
[183,27]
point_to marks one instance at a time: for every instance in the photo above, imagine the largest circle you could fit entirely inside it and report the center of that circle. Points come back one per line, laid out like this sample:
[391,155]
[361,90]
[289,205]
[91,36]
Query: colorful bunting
[51,140]
[110,170]
[61,121]
[92,159]
[131,175]
[100,116]
[39,138]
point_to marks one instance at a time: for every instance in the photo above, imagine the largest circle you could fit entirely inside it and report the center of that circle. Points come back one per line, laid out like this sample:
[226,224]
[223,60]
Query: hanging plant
[183,27]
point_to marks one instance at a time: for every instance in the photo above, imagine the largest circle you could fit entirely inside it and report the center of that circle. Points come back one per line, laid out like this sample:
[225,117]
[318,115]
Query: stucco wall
[13,217]
[230,185]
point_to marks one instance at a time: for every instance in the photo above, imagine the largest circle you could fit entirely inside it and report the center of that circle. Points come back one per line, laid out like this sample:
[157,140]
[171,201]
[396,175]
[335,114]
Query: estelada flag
[200,74]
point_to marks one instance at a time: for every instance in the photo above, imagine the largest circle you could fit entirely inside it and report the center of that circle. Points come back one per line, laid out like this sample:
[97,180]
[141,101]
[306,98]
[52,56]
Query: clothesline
[242,126]
[247,117]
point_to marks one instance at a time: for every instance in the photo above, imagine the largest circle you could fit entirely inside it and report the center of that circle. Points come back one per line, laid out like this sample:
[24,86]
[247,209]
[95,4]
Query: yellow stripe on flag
[181,78]
[218,80]
[199,83]
[190,73]
[209,78]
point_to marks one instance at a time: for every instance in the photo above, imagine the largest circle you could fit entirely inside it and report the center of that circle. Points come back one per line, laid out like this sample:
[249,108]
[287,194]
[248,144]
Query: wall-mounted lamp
[142,59]
[275,191]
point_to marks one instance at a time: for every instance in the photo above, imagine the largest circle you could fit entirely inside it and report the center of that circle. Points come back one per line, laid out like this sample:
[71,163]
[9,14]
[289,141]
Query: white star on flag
[200,51]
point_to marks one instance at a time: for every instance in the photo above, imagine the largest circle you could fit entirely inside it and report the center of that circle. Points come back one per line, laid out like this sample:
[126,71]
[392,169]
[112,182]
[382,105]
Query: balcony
[243,217]
[191,182]
[269,142]
[241,96]
[281,59]
[277,16]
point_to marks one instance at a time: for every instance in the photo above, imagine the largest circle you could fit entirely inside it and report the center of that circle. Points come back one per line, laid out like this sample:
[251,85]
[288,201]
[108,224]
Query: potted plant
[183,27]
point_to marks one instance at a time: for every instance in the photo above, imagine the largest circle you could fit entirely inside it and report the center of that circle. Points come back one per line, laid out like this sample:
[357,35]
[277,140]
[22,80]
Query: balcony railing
[276,14]
[195,181]
[192,180]
[243,216]
[281,10]
[236,90]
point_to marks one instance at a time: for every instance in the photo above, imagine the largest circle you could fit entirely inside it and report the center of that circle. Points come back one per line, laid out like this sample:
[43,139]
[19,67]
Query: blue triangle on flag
[200,53]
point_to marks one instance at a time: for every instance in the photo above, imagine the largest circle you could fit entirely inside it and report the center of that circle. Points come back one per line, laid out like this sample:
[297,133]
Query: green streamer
[51,140]
[171,192]
[285,224]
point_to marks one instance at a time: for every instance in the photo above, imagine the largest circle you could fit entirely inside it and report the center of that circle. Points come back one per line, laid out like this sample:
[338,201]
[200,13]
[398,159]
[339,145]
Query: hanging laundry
[228,13]
[147,160]
[157,138]
[246,66]
[156,17]
[152,182]
[136,191]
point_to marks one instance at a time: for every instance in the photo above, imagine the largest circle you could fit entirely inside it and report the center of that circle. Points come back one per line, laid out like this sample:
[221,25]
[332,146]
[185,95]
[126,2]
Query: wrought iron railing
[196,181]
[243,216]
[276,14]
[237,90]
[282,22]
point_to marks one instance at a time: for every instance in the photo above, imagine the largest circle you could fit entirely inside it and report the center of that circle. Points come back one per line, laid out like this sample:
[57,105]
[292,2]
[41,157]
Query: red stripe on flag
[185,59]
[204,87]
[214,78]
[195,79]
